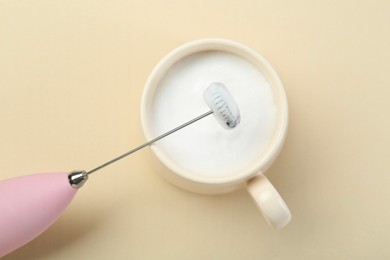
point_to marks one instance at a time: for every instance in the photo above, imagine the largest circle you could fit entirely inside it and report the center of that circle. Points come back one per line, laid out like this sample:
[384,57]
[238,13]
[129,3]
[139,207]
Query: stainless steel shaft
[150,142]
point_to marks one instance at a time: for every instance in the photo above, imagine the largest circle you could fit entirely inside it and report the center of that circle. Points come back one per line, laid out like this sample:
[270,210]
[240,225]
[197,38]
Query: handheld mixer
[30,204]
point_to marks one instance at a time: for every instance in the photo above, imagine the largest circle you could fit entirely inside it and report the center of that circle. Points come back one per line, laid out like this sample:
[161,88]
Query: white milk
[205,148]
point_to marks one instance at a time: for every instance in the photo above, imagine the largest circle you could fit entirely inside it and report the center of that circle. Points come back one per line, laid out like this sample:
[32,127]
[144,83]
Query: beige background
[71,79]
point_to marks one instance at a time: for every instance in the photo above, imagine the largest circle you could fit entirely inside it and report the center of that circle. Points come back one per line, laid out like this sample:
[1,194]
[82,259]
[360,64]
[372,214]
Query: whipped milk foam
[205,148]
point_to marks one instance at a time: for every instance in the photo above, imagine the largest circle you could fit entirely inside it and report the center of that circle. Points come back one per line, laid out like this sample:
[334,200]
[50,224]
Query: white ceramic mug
[204,157]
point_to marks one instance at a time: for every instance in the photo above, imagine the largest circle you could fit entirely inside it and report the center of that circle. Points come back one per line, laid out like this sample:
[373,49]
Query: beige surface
[71,78]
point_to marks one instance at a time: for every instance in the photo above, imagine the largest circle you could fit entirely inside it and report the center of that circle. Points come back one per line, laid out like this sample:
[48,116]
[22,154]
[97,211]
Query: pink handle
[29,205]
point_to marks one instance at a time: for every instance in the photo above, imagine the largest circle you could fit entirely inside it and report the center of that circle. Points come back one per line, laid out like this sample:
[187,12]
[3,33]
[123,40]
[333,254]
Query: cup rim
[218,44]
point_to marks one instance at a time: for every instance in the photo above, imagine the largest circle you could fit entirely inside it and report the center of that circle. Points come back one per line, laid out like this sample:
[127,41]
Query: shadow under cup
[204,157]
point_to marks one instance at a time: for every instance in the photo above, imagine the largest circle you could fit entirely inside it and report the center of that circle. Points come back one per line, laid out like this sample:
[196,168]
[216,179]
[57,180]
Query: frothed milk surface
[205,148]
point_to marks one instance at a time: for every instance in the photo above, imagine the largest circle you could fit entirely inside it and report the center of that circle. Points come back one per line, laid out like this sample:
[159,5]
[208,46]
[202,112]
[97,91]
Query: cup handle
[268,201]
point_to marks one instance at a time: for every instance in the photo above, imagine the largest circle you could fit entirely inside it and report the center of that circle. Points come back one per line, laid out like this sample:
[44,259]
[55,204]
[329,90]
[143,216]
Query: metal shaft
[150,142]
